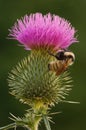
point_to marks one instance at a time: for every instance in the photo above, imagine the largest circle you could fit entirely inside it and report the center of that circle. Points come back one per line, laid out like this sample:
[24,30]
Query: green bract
[32,83]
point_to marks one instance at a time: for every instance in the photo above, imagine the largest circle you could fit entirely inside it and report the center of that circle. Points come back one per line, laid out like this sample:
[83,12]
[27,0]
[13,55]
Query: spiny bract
[31,81]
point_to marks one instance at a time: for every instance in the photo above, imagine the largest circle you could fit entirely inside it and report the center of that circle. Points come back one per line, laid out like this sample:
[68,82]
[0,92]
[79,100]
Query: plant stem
[35,123]
[35,127]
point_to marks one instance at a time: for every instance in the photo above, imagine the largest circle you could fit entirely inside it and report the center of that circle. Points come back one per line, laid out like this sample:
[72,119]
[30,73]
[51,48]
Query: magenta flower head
[37,31]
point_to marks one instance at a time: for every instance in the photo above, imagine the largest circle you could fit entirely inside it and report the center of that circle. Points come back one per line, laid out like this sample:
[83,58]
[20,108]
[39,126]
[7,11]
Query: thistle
[31,81]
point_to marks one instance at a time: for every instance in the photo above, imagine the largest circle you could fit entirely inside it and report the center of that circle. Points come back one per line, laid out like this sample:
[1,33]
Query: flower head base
[48,31]
[31,82]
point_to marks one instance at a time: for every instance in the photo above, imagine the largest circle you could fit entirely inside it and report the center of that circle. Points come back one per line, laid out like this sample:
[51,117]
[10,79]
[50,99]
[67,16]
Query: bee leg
[59,72]
[48,66]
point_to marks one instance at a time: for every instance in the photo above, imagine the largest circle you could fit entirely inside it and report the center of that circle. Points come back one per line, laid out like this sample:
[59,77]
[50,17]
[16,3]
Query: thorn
[72,102]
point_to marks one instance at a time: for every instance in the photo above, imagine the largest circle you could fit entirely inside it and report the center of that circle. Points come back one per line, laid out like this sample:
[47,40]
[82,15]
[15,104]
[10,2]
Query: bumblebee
[64,59]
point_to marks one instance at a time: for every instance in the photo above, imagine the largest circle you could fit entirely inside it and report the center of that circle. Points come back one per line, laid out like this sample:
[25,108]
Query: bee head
[60,55]
[65,55]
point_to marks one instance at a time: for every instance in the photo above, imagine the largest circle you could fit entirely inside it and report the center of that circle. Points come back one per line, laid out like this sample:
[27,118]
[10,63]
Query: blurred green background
[73,116]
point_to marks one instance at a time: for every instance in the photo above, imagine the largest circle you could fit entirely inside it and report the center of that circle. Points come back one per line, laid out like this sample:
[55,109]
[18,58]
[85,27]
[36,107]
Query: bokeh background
[73,116]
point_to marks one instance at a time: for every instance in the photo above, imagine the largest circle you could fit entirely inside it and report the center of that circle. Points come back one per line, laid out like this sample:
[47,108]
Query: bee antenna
[51,53]
[67,50]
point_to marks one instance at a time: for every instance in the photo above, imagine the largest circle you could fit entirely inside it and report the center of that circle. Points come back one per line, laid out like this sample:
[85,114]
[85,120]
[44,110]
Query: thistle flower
[37,31]
[31,81]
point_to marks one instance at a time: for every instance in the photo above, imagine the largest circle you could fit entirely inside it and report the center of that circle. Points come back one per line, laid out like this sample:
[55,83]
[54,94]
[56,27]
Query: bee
[64,59]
